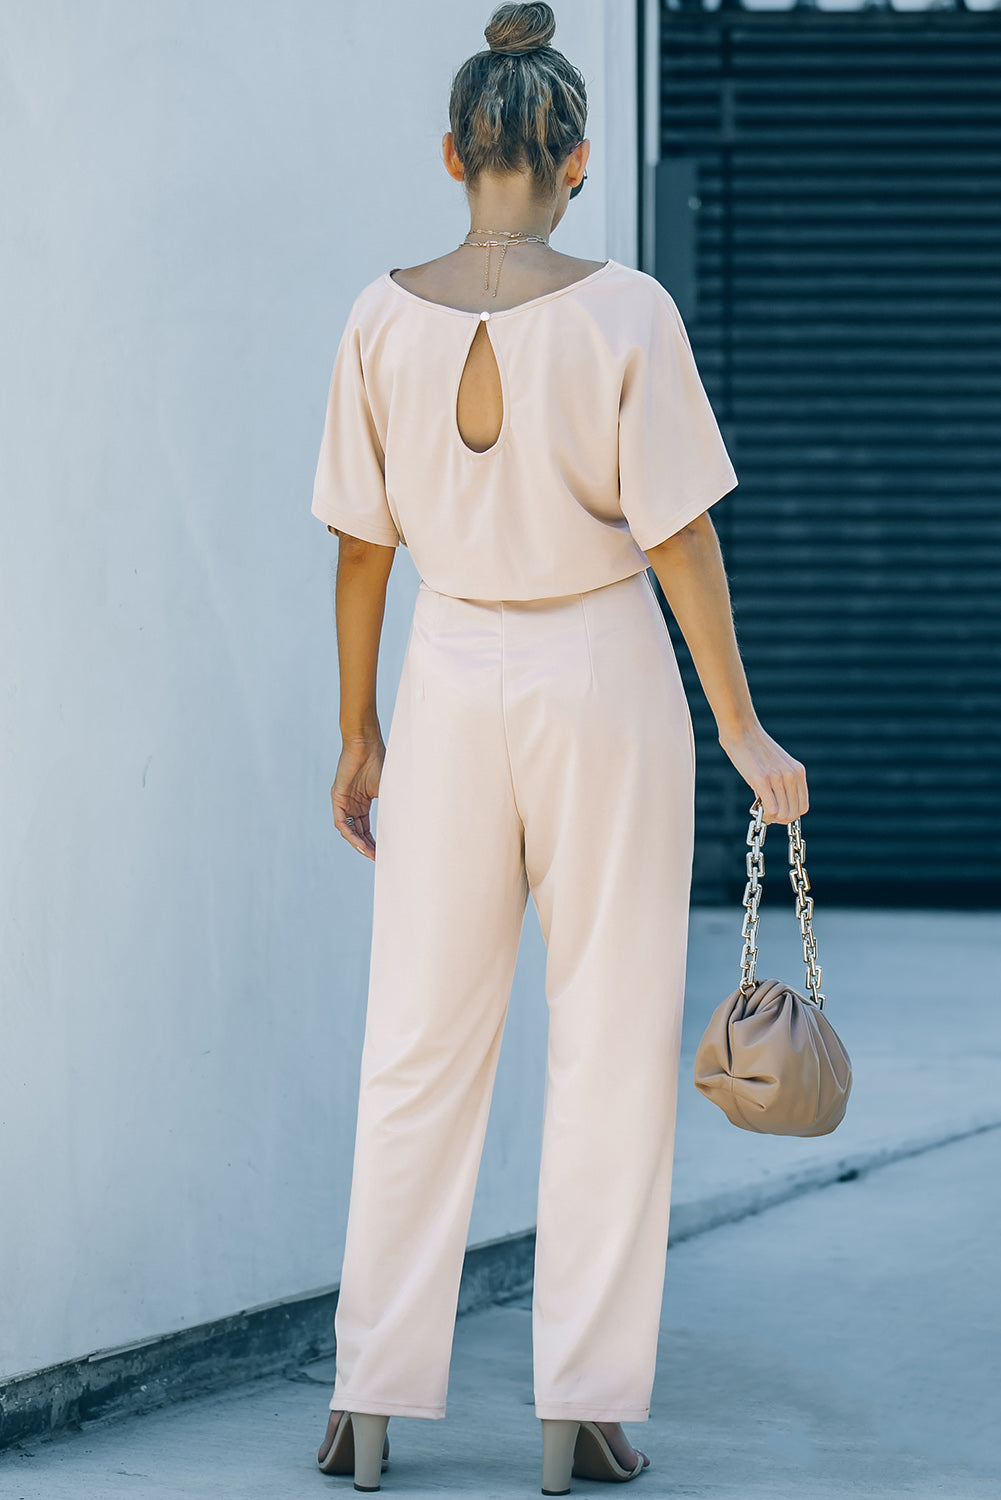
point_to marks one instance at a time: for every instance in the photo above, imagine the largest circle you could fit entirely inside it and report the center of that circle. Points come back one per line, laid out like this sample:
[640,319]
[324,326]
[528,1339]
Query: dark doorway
[829,223]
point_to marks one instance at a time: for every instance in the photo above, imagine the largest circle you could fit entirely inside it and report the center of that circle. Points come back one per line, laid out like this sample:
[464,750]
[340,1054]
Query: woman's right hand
[774,776]
[356,785]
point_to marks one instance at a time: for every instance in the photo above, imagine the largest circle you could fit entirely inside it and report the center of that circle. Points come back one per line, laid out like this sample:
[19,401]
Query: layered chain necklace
[507,237]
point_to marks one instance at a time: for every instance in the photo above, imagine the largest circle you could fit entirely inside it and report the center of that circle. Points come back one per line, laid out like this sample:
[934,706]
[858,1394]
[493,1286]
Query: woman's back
[521,451]
[454,281]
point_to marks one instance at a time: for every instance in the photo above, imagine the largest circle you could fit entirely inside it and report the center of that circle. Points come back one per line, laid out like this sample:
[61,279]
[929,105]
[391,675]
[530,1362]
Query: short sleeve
[349,491]
[673,463]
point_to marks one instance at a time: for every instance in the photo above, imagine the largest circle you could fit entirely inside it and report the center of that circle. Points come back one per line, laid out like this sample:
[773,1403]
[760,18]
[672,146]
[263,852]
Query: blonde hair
[520,104]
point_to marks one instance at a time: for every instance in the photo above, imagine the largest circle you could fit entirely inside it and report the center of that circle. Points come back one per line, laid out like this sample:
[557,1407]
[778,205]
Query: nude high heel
[593,1457]
[360,1446]
[559,1439]
[370,1437]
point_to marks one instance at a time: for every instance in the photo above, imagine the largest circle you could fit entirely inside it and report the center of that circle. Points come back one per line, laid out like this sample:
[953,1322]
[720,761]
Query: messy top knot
[521,104]
[520,28]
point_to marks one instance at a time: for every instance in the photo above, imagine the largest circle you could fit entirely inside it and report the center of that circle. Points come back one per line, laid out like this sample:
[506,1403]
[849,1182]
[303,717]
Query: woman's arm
[363,570]
[689,568]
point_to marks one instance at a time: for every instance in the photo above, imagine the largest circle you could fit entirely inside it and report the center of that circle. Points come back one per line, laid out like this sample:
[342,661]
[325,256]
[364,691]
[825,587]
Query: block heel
[370,1438]
[340,1457]
[558,1442]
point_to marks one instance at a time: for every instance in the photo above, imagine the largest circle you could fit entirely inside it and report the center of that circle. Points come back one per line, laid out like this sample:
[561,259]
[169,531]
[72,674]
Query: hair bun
[520,28]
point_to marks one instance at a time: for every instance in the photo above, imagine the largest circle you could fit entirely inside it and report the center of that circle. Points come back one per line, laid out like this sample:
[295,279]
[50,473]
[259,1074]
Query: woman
[534,428]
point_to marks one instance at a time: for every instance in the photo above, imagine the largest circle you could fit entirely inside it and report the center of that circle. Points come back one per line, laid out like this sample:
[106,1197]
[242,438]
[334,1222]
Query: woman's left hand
[777,778]
[356,785]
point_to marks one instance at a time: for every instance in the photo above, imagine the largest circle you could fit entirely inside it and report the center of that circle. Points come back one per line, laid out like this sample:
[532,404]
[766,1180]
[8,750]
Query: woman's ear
[453,166]
[580,154]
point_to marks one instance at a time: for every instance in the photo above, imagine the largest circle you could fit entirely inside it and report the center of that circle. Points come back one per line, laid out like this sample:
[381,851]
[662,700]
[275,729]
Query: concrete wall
[193,194]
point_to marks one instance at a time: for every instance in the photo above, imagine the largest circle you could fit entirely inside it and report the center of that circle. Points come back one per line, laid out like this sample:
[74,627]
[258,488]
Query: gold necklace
[511,237]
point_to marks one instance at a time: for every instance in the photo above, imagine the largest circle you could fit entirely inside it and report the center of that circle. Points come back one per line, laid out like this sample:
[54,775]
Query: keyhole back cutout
[479,407]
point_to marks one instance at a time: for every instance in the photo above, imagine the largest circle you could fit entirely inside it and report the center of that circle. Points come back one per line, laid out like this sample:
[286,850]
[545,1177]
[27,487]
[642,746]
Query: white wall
[193,194]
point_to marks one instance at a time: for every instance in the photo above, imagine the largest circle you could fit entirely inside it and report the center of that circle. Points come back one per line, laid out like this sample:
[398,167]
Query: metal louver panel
[829,222]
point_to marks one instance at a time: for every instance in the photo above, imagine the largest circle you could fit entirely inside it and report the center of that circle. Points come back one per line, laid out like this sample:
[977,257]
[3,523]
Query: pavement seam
[704,1215]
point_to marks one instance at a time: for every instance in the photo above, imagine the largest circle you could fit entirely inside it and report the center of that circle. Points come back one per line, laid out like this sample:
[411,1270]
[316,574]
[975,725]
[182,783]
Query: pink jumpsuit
[540,743]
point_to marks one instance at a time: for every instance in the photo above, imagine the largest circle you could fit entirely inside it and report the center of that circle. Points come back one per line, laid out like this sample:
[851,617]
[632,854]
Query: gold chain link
[755,862]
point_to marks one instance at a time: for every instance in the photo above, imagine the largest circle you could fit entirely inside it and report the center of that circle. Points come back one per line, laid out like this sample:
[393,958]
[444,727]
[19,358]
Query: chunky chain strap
[755,861]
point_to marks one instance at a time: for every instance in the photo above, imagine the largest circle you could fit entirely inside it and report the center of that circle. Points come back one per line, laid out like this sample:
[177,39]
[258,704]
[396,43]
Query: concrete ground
[826,1338]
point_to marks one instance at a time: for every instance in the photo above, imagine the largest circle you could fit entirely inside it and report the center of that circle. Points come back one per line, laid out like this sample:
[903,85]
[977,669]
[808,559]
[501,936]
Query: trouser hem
[575,1411]
[342,1401]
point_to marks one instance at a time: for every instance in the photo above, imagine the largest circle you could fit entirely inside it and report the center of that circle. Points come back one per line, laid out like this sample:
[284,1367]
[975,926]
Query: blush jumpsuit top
[541,743]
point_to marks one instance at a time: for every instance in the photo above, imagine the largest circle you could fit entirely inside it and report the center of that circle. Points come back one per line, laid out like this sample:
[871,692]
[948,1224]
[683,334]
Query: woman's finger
[771,801]
[360,839]
[353,825]
[795,789]
[804,792]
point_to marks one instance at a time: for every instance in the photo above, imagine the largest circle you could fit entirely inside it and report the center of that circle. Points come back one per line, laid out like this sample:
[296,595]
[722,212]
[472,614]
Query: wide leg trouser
[541,746]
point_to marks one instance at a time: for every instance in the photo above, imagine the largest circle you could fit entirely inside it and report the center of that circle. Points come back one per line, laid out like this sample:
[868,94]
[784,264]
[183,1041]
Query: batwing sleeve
[349,490]
[673,463]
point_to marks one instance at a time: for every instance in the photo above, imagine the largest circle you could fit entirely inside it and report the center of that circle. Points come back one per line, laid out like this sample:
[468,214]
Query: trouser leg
[604,773]
[450,894]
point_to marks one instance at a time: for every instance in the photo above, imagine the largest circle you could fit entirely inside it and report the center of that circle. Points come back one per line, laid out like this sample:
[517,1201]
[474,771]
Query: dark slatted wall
[829,222]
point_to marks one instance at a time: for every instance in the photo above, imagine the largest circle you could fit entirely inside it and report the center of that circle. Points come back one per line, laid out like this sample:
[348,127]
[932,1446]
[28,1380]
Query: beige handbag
[769,1057]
